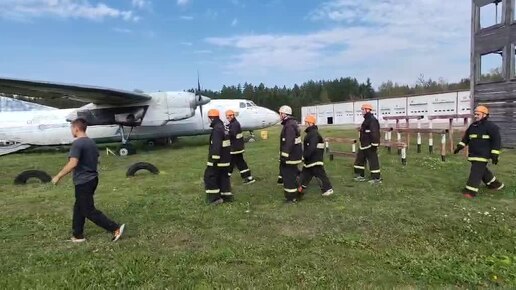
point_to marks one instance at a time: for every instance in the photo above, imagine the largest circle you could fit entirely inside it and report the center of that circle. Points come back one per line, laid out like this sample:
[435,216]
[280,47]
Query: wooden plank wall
[500,96]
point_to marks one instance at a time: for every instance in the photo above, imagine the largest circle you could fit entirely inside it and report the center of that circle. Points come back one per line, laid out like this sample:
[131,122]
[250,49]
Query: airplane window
[242,105]
[249,104]
[252,103]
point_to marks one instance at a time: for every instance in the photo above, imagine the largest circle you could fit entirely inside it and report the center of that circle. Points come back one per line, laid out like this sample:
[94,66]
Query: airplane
[149,116]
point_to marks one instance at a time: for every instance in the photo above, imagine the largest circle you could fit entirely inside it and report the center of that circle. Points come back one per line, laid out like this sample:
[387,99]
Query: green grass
[414,230]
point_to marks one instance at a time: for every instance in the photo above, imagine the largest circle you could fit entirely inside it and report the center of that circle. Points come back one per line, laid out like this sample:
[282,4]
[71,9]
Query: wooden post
[430,139]
[404,155]
[389,139]
[466,124]
[386,136]
[450,130]
[419,136]
[399,141]
[443,146]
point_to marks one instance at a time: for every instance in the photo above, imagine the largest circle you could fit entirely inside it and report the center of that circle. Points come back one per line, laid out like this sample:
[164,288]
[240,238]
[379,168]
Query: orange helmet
[213,113]
[367,106]
[310,119]
[482,109]
[230,113]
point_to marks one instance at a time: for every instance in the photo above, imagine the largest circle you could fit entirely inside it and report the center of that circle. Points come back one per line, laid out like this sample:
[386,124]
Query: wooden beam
[481,3]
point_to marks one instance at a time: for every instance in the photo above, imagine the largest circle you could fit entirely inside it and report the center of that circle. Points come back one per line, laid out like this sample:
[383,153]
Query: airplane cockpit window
[242,105]
[252,104]
[249,104]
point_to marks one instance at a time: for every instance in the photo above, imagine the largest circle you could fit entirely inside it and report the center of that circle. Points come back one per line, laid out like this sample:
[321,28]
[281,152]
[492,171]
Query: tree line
[307,94]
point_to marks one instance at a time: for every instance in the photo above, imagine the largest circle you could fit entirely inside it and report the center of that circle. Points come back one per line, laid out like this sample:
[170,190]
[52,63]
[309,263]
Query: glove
[494,158]
[283,160]
[459,147]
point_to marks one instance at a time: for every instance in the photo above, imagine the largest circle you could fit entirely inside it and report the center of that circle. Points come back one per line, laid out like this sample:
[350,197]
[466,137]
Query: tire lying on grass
[28,174]
[131,171]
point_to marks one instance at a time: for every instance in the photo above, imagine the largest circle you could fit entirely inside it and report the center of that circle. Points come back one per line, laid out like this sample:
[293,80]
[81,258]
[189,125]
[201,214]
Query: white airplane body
[50,127]
[156,116]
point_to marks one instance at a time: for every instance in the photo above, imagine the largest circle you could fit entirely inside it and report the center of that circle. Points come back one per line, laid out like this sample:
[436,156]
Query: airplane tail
[4,150]
[8,104]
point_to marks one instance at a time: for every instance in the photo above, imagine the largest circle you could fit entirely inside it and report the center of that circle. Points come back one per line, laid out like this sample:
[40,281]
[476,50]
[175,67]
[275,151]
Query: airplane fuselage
[50,127]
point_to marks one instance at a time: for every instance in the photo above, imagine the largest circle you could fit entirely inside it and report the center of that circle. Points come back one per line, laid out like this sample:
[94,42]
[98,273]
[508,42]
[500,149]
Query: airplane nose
[202,100]
[272,118]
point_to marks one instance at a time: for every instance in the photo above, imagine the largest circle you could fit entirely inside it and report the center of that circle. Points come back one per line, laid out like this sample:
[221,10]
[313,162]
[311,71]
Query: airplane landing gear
[126,148]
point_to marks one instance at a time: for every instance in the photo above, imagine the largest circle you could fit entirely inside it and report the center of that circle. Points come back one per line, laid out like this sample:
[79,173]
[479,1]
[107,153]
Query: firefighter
[313,154]
[484,141]
[290,154]
[368,148]
[216,178]
[237,148]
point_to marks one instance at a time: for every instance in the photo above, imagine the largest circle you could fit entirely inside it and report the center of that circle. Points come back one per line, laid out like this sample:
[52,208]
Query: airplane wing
[90,94]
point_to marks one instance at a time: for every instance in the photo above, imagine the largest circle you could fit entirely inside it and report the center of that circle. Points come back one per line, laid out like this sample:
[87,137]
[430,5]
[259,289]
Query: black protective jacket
[220,145]
[483,139]
[236,137]
[313,147]
[369,132]
[291,151]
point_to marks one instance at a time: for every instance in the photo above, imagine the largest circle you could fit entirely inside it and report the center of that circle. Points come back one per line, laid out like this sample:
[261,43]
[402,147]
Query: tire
[26,175]
[123,152]
[131,171]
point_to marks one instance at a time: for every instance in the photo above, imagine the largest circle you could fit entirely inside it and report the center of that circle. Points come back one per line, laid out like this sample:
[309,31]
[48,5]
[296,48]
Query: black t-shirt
[86,151]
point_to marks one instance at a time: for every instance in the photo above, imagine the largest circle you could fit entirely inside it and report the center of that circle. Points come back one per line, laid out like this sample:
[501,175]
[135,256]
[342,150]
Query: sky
[154,45]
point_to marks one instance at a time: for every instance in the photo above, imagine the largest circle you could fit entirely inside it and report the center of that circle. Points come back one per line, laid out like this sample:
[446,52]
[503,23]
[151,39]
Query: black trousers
[217,183]
[369,155]
[84,208]
[289,172]
[479,173]
[280,178]
[317,172]
[238,160]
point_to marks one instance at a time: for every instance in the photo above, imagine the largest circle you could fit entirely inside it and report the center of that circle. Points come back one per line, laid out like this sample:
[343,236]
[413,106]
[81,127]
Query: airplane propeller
[198,93]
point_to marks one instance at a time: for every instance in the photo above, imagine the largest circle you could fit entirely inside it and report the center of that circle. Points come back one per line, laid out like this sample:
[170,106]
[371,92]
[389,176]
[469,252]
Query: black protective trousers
[217,183]
[290,172]
[319,173]
[239,161]
[84,208]
[369,155]
[479,173]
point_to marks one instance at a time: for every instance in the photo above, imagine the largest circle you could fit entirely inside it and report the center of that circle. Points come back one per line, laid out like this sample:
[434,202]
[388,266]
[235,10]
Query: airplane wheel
[151,143]
[141,166]
[26,175]
[126,149]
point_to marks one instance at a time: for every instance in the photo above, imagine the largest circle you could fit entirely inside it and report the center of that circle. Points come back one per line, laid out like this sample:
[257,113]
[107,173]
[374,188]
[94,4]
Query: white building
[439,104]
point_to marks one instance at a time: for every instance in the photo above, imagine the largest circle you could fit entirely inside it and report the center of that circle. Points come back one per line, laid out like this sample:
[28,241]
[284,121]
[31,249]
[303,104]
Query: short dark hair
[80,124]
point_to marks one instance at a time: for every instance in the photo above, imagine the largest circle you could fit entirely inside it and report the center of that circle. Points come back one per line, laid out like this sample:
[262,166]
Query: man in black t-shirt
[83,160]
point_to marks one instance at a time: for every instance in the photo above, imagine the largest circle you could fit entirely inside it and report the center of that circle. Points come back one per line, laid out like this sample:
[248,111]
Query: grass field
[414,230]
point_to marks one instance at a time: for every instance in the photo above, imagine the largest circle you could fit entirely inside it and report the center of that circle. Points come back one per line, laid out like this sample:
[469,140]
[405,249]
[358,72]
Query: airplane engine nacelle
[181,105]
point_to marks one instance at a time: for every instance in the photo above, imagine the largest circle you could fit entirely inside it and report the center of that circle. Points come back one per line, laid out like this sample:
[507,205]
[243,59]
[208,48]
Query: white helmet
[285,110]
